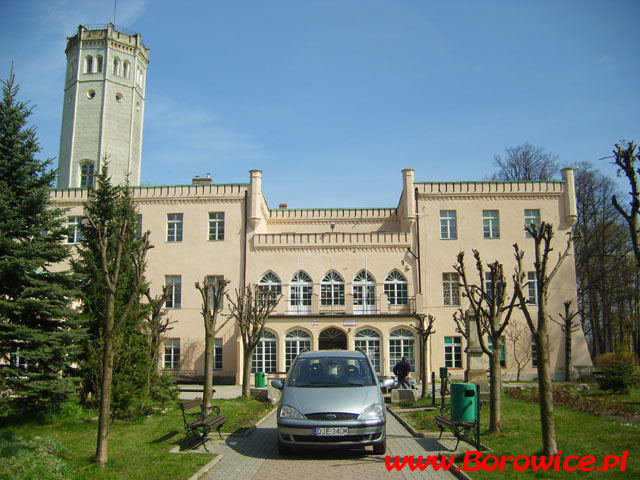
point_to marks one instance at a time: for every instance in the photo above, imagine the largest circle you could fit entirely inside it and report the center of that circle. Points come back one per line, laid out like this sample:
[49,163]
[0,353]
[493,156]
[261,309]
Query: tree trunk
[423,368]
[102,449]
[567,351]
[246,373]
[547,421]
[209,343]
[495,387]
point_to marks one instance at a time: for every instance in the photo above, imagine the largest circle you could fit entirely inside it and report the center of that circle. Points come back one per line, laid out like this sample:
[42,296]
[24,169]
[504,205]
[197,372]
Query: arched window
[402,344]
[395,286]
[270,287]
[364,293]
[301,289]
[125,69]
[116,66]
[296,342]
[368,341]
[88,64]
[87,176]
[99,63]
[264,356]
[332,289]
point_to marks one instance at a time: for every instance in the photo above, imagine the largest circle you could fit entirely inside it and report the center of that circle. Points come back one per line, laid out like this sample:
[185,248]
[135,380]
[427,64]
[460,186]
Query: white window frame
[534,294]
[265,355]
[295,342]
[402,343]
[453,352]
[87,174]
[174,282]
[171,359]
[451,289]
[448,225]
[332,289]
[214,280]
[397,288]
[531,216]
[175,226]
[369,341]
[217,354]
[74,237]
[271,285]
[300,289]
[491,224]
[364,293]
[216,226]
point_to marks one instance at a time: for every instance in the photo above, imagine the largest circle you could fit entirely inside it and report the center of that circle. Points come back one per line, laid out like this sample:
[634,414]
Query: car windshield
[331,372]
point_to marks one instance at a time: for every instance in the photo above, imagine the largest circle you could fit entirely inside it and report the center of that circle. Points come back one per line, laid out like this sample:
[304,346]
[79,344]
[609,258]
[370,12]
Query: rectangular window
[216,226]
[174,282]
[172,354]
[531,217]
[448,225]
[534,352]
[139,226]
[451,289]
[75,231]
[533,288]
[502,359]
[215,280]
[174,227]
[217,354]
[490,224]
[453,352]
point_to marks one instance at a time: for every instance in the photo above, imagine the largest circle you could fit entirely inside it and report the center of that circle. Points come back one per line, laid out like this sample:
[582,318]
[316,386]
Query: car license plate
[330,431]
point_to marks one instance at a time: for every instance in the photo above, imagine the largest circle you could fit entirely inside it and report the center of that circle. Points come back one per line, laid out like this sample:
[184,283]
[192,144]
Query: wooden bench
[461,430]
[199,423]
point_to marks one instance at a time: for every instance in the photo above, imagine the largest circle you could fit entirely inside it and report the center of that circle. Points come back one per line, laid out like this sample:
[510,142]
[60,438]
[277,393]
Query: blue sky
[332,99]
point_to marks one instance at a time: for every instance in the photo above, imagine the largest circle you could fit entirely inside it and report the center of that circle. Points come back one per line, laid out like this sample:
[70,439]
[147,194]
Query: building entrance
[332,339]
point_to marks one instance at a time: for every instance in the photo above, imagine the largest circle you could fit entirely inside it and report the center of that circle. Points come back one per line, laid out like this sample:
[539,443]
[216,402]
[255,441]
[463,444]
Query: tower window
[98,63]
[88,64]
[91,94]
[116,66]
[87,175]
[118,97]
[125,69]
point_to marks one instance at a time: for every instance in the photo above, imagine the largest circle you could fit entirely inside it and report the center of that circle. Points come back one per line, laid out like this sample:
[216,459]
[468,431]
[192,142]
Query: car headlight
[374,411]
[289,412]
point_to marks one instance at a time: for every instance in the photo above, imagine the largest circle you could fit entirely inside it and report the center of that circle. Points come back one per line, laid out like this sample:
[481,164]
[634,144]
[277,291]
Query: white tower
[103,109]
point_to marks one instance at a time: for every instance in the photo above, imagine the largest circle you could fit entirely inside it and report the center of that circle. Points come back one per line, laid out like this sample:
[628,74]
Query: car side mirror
[277,384]
[386,383]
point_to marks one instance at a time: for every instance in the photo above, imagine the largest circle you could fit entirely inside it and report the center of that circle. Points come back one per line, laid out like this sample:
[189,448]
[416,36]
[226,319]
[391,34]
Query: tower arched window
[332,289]
[301,289]
[395,286]
[88,64]
[270,287]
[87,175]
[116,66]
[364,293]
[99,62]
[125,69]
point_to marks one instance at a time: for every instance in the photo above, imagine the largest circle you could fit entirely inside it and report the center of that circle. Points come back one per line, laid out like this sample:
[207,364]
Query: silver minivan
[331,399]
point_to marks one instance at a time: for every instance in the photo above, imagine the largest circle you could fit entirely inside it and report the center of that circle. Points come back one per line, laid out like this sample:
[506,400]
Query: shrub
[619,372]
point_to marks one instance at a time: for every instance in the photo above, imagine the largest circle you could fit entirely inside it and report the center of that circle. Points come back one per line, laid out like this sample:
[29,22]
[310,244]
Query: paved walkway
[256,457]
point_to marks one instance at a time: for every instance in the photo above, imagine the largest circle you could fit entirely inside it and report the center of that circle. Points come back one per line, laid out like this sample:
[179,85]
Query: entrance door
[332,339]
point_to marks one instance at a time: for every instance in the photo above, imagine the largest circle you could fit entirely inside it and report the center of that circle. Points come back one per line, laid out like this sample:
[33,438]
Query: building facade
[348,278]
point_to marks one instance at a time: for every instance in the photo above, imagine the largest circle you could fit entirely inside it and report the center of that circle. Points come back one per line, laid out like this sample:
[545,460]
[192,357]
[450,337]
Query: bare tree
[519,337]
[110,268]
[568,326]
[488,301]
[525,162]
[251,308]
[626,159]
[424,328]
[212,294]
[154,327]
[539,327]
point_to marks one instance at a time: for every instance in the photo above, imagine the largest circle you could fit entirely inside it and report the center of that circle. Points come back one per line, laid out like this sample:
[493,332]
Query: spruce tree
[38,334]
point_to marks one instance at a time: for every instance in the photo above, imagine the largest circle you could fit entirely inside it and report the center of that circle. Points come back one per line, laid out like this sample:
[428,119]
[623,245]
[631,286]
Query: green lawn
[138,448]
[577,434]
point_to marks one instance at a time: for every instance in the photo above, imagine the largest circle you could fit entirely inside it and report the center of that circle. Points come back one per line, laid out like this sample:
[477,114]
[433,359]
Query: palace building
[349,278]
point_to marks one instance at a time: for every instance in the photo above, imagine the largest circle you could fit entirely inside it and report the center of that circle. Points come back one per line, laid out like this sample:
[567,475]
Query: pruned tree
[627,160]
[568,326]
[251,308]
[119,249]
[519,337]
[492,310]
[424,328]
[212,293]
[524,163]
[544,273]
[154,328]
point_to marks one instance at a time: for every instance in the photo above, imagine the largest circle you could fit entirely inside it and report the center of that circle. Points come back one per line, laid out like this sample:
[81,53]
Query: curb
[206,468]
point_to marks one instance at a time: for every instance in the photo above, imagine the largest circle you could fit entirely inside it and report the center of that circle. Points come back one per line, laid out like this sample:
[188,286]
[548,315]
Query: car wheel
[283,449]
[380,448]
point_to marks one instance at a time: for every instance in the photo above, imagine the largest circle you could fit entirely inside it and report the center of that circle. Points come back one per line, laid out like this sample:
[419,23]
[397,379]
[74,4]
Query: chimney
[282,205]
[201,181]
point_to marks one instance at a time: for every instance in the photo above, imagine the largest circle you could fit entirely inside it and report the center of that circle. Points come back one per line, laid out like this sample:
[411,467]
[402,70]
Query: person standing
[401,370]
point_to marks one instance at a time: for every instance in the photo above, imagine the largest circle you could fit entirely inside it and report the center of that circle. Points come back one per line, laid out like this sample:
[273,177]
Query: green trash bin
[463,402]
[259,379]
